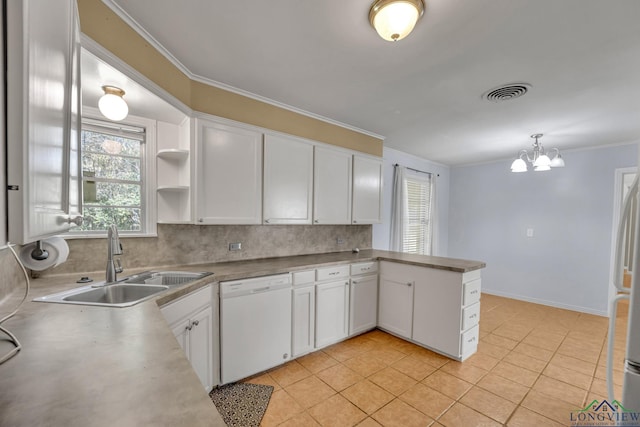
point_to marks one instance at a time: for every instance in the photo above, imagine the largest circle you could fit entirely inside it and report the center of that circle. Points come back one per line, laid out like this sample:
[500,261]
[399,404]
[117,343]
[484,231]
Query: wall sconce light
[395,19]
[112,105]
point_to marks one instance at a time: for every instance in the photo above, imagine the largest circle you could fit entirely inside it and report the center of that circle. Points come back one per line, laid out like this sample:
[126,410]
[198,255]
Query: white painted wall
[381,232]
[566,262]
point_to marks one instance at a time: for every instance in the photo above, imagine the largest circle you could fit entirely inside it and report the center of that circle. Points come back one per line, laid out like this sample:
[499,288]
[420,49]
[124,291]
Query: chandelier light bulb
[519,165]
[112,105]
[395,19]
[542,161]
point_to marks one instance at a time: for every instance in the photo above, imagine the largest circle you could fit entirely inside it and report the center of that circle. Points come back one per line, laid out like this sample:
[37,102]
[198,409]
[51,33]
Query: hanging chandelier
[538,158]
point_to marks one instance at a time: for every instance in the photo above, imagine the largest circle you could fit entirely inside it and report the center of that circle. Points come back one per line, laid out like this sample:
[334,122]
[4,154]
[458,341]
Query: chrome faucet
[114,266]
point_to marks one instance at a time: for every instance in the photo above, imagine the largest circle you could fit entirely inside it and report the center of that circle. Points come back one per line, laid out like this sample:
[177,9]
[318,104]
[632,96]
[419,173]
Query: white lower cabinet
[332,312]
[191,318]
[437,308]
[363,298]
[304,320]
[395,305]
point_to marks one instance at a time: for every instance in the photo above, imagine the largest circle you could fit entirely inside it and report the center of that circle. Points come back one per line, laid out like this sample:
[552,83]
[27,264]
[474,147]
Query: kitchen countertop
[101,366]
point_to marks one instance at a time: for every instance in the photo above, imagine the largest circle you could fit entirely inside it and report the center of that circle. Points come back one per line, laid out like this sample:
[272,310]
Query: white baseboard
[548,303]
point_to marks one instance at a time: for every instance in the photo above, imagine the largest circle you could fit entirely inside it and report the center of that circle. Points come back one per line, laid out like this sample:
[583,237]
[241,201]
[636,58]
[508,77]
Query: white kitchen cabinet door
[195,337]
[363,302]
[395,309]
[42,106]
[332,312]
[200,352]
[332,186]
[304,314]
[229,174]
[181,332]
[288,180]
[191,320]
[367,190]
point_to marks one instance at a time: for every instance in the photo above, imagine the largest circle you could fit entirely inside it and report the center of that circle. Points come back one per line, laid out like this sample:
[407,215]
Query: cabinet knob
[410,284]
[355,282]
[200,220]
[188,327]
[285,356]
[266,221]
[77,220]
[355,222]
[346,283]
[195,322]
[316,221]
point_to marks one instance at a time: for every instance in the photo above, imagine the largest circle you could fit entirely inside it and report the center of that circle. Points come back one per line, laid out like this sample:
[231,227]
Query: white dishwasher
[255,325]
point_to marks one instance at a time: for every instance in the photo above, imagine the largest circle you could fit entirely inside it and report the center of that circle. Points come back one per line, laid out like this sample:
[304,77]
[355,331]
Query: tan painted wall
[105,27]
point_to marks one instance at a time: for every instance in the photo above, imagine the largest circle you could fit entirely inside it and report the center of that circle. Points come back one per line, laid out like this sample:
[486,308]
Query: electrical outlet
[529,232]
[235,246]
[340,241]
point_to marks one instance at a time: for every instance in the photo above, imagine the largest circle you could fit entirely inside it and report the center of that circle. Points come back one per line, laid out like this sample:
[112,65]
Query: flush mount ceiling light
[538,158]
[395,19]
[112,105]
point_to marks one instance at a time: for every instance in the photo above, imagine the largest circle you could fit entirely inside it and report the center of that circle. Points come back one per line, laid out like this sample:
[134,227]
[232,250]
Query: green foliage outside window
[112,182]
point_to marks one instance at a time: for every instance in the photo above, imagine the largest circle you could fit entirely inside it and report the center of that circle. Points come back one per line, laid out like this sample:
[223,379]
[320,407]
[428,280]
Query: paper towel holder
[39,253]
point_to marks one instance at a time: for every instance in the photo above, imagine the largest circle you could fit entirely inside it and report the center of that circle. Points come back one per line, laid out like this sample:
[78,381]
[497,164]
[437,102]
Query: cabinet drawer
[470,276]
[471,292]
[470,316]
[187,305]
[330,273]
[469,341]
[303,277]
[364,268]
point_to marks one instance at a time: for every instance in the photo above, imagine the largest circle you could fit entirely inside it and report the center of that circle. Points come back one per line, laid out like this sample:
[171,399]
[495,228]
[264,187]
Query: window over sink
[116,177]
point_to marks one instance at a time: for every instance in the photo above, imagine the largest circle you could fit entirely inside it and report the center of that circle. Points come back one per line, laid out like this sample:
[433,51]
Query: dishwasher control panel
[254,285]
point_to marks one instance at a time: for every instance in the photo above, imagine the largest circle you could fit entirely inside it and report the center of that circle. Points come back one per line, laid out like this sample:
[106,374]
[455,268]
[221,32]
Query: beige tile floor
[535,364]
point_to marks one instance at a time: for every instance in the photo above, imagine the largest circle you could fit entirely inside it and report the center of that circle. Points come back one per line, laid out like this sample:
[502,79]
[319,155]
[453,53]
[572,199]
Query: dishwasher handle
[255,291]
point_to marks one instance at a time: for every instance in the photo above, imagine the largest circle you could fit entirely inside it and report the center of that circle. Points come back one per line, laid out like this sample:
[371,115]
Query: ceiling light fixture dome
[538,158]
[112,105]
[395,19]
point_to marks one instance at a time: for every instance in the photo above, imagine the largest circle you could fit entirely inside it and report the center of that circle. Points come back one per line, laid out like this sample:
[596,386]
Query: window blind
[417,233]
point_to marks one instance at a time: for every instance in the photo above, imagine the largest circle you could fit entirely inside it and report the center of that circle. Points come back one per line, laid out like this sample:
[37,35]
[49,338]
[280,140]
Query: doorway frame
[617,211]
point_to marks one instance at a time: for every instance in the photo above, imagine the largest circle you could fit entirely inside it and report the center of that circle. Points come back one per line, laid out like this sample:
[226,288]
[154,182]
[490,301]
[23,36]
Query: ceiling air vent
[507,92]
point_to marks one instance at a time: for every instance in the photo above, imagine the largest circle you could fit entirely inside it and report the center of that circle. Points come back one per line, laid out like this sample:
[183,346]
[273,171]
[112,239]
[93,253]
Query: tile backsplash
[194,244]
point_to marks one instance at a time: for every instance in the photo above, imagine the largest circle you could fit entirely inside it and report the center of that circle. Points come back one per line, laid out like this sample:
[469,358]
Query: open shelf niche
[173,170]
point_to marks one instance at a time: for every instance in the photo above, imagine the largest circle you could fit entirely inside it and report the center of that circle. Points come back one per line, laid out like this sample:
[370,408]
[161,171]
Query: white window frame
[148,202]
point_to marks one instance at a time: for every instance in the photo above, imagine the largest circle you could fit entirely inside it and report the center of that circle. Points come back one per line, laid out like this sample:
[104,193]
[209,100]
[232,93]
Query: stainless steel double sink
[125,292]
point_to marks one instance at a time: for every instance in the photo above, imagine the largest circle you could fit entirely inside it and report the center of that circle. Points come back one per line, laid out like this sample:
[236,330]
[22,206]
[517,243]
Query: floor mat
[242,404]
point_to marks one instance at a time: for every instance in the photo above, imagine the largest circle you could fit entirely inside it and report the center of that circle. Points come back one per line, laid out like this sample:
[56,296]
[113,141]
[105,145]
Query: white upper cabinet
[367,190]
[43,90]
[228,174]
[332,186]
[288,180]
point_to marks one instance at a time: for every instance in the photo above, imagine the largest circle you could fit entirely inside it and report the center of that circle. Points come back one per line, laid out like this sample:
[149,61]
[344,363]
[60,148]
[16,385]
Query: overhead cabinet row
[245,176]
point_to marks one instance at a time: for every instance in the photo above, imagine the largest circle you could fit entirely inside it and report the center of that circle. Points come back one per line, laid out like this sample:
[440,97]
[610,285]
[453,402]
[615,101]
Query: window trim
[148,166]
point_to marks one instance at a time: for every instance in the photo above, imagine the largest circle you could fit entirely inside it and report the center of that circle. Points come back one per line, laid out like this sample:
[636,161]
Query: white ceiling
[423,94]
